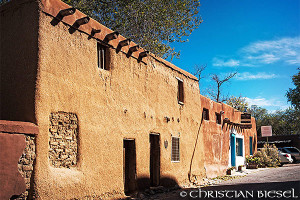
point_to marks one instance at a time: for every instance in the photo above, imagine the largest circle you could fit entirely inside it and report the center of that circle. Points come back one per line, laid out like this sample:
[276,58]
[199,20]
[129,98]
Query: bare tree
[199,70]
[219,81]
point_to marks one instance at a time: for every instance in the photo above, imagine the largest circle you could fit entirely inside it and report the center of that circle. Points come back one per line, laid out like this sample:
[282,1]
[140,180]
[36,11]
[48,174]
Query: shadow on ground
[145,190]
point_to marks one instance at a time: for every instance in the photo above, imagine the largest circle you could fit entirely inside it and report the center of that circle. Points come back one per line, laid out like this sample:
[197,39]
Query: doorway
[129,155]
[154,159]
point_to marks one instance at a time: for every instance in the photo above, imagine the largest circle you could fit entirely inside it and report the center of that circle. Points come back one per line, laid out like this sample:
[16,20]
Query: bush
[252,160]
[268,156]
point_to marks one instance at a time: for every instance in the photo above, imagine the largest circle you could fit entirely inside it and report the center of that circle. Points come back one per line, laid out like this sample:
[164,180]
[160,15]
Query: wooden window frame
[180,91]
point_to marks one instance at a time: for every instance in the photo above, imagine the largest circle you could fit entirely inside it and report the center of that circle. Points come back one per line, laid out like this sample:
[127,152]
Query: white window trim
[179,79]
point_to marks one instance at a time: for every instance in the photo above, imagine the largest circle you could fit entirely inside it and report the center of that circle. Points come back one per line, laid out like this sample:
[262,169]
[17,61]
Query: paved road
[274,183]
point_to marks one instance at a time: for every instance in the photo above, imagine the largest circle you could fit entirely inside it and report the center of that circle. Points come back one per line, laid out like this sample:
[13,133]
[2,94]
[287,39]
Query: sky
[259,39]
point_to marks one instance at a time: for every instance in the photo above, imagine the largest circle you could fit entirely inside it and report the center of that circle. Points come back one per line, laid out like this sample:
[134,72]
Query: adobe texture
[131,100]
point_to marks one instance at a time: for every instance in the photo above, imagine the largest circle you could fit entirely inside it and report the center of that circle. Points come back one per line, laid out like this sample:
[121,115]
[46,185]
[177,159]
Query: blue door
[232,144]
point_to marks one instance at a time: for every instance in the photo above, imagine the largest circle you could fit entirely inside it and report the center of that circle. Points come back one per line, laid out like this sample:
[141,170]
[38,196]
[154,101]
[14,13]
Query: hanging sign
[245,118]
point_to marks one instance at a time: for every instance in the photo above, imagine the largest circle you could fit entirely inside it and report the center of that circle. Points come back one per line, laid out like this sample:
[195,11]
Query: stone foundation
[26,163]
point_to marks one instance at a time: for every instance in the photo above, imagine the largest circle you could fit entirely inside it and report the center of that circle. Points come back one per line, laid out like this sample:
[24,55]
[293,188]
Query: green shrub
[268,156]
[252,160]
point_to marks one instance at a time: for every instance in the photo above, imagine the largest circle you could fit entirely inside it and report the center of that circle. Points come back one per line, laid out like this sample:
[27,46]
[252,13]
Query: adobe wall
[17,155]
[84,113]
[131,100]
[216,137]
[19,55]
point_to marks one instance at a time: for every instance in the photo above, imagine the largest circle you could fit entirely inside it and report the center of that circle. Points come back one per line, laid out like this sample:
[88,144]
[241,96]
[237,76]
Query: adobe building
[109,117]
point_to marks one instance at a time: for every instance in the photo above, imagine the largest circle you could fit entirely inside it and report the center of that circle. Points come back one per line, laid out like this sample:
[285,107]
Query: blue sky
[260,39]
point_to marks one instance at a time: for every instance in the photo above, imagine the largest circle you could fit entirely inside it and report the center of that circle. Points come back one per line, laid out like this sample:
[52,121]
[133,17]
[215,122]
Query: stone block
[27,167]
[63,152]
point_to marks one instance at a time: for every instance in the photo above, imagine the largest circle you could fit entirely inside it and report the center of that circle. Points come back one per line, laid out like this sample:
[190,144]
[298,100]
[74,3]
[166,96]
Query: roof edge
[53,7]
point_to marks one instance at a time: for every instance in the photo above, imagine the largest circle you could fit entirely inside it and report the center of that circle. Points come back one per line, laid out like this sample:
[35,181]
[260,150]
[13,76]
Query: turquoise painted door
[233,150]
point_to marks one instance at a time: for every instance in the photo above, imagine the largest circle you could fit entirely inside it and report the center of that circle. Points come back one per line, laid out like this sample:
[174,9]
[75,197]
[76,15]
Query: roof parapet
[53,7]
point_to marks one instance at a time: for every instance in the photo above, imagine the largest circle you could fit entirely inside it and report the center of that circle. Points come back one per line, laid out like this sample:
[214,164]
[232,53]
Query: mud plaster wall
[217,137]
[11,148]
[19,54]
[129,101]
[17,155]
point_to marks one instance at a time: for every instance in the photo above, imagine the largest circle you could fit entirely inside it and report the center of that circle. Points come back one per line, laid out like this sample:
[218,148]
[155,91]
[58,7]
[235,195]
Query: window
[239,146]
[251,145]
[205,114]
[218,118]
[180,92]
[284,151]
[292,150]
[175,157]
[102,56]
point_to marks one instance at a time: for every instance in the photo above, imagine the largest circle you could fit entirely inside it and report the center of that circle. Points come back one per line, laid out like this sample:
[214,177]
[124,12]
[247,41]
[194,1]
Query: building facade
[112,118]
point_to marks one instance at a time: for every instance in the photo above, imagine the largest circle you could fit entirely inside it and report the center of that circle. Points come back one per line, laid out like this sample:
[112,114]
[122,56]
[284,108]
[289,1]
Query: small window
[205,114]
[175,157]
[239,147]
[180,92]
[102,57]
[218,118]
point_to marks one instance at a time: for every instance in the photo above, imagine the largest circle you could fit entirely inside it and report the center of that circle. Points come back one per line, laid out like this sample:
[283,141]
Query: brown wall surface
[217,136]
[129,101]
[19,55]
[11,149]
[17,155]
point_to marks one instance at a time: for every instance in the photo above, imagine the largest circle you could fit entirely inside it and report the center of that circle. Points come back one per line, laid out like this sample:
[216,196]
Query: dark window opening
[103,57]
[205,114]
[239,147]
[175,157]
[218,118]
[251,145]
[180,92]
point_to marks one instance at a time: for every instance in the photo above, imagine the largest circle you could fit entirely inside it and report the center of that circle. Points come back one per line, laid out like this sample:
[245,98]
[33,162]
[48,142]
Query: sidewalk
[247,171]
[161,192]
[212,181]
